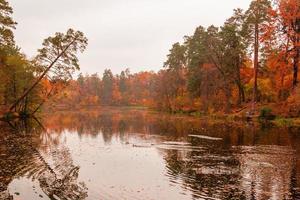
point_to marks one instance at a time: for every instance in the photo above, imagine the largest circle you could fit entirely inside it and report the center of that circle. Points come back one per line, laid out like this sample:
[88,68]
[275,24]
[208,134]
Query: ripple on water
[132,156]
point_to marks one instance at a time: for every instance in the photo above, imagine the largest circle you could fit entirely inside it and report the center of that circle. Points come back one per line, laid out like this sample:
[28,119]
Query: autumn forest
[219,118]
[251,60]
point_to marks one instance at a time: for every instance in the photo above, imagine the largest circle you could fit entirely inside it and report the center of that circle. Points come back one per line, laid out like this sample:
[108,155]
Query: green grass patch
[284,122]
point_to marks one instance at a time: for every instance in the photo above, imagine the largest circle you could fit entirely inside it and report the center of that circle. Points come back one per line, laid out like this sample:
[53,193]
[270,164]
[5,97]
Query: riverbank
[279,114]
[264,113]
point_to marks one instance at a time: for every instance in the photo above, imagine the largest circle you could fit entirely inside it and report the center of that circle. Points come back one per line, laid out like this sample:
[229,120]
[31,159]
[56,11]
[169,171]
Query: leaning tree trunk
[40,78]
[42,103]
[256,48]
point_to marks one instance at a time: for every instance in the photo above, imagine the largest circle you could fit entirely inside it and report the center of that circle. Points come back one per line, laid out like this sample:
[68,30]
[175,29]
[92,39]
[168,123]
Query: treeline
[126,89]
[253,58]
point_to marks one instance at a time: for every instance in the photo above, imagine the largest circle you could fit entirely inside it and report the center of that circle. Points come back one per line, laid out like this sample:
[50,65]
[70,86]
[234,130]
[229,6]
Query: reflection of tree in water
[296,172]
[205,173]
[122,129]
[20,157]
[107,128]
[266,171]
[268,167]
[257,167]
[216,169]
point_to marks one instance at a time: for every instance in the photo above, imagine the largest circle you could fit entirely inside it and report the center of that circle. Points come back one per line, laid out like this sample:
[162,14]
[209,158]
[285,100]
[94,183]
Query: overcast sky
[122,33]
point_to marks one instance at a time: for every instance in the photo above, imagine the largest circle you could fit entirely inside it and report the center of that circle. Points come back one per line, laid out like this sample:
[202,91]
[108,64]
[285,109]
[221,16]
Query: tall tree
[58,58]
[217,54]
[19,72]
[195,58]
[201,67]
[107,90]
[7,24]
[255,19]
[234,48]
[289,14]
[123,86]
[176,67]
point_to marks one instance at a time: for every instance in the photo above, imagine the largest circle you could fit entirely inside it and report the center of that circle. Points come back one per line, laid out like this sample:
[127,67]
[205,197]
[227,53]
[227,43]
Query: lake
[136,154]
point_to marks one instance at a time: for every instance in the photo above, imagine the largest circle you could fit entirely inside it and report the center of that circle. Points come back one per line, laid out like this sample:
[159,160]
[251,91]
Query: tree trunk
[228,95]
[206,101]
[42,103]
[281,91]
[256,49]
[15,89]
[25,105]
[241,92]
[238,81]
[296,64]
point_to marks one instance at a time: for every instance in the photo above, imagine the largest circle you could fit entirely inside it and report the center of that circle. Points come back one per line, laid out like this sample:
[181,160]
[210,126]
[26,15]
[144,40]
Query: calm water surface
[117,154]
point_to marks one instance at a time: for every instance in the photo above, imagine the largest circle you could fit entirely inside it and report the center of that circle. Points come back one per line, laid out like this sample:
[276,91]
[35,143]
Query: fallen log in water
[205,137]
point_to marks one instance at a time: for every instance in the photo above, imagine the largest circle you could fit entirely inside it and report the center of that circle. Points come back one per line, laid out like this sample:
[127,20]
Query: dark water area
[115,154]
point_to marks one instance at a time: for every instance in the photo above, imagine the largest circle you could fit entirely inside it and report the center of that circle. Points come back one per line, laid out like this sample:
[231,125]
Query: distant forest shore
[247,67]
[265,113]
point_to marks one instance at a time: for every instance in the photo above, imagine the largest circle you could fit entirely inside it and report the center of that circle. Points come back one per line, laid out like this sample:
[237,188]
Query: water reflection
[22,155]
[138,154]
[266,171]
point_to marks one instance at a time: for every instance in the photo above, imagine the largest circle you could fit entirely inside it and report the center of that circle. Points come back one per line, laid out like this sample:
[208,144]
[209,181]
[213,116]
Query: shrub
[266,114]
